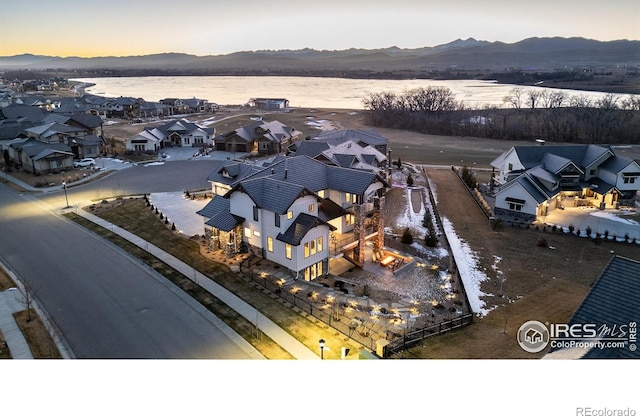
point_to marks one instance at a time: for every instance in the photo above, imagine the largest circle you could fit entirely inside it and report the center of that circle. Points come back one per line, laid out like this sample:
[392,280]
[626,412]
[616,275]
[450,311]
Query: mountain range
[533,54]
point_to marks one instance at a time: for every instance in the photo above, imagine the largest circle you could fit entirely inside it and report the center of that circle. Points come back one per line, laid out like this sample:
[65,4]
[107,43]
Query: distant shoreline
[619,85]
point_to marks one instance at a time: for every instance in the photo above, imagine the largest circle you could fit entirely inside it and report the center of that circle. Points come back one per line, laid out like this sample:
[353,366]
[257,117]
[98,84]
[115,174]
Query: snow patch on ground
[430,253]
[467,262]
[409,218]
[153,164]
[612,216]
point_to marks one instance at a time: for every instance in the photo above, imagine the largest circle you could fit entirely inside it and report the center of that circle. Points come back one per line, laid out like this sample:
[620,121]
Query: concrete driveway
[181,211]
[611,220]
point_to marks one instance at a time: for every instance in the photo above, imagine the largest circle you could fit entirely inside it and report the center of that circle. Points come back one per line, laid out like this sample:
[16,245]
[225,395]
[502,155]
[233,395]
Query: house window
[510,166]
[349,197]
[277,219]
[287,251]
[255,213]
[256,233]
[312,243]
[630,179]
[289,215]
[319,244]
[321,193]
[187,140]
[270,244]
[349,219]
[247,232]
[515,207]
[311,208]
[306,250]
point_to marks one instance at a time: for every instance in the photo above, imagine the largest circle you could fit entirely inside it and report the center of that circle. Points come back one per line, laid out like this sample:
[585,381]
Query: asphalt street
[106,303]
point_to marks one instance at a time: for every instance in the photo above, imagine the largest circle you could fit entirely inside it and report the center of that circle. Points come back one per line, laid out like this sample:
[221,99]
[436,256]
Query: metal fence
[361,332]
[411,338]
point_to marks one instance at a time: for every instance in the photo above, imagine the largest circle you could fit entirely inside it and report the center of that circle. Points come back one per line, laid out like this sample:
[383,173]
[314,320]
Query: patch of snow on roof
[467,262]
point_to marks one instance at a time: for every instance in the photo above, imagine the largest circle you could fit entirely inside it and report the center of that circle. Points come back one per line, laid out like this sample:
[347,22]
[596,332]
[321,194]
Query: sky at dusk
[213,27]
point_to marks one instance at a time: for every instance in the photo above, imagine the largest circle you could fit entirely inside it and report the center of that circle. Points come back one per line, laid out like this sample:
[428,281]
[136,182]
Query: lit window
[321,193]
[312,243]
[289,215]
[270,244]
[319,244]
[247,232]
[306,250]
[348,197]
[311,208]
[256,233]
[287,251]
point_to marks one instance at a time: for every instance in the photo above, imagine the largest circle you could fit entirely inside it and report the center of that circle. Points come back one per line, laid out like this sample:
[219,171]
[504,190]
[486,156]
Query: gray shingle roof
[614,299]
[316,176]
[300,227]
[311,148]
[329,210]
[217,210]
[271,194]
[616,164]
[371,137]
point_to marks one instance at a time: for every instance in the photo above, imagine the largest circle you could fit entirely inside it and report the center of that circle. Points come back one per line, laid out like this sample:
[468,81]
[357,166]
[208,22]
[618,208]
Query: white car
[83,163]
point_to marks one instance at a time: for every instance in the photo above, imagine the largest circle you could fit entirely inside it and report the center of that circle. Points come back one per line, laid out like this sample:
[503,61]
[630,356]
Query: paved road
[106,303]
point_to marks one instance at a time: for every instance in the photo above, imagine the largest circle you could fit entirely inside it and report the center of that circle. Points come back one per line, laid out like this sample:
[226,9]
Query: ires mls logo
[533,336]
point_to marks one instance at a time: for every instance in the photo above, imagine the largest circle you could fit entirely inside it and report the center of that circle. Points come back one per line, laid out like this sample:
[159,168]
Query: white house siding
[631,168]
[242,206]
[300,205]
[510,158]
[373,188]
[298,261]
[516,191]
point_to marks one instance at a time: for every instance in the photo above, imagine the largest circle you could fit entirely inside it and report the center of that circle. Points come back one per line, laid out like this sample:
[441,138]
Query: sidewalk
[279,335]
[9,304]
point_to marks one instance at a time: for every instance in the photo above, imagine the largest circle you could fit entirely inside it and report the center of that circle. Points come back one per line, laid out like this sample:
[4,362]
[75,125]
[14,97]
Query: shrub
[407,236]
[571,228]
[606,234]
[588,231]
[409,180]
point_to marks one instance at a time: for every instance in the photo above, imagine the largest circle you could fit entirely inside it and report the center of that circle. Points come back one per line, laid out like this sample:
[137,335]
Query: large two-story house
[532,180]
[292,210]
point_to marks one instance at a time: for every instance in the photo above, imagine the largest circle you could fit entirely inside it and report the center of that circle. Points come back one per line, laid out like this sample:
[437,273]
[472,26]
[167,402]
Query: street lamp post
[64,186]
[321,342]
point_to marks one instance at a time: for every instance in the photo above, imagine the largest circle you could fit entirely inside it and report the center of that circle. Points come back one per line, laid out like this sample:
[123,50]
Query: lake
[338,93]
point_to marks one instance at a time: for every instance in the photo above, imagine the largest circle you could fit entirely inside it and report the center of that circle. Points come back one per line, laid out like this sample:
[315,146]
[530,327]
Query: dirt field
[544,284]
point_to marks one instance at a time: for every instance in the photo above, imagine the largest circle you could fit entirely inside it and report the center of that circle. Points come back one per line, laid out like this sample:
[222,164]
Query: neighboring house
[348,154]
[611,308]
[38,157]
[143,142]
[269,103]
[264,137]
[532,180]
[291,210]
[174,133]
[362,137]
[176,105]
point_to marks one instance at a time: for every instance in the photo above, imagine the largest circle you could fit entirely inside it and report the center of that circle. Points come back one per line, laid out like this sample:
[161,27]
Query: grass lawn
[134,216]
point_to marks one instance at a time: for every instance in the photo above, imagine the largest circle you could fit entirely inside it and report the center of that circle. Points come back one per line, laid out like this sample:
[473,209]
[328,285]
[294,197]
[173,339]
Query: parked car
[83,163]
